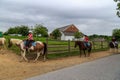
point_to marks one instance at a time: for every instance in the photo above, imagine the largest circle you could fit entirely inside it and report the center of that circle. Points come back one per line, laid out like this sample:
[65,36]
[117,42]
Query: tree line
[37,30]
[41,30]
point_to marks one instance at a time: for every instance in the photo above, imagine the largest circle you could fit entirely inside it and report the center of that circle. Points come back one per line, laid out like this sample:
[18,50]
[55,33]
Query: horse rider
[30,41]
[114,41]
[86,41]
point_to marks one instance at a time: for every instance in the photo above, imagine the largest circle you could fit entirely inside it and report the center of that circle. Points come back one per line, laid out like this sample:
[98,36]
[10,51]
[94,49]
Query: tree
[1,34]
[78,35]
[11,31]
[23,30]
[40,30]
[116,34]
[56,33]
[94,36]
[118,7]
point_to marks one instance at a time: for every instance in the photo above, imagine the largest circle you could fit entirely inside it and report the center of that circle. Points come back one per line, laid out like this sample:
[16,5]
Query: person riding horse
[30,41]
[114,41]
[86,41]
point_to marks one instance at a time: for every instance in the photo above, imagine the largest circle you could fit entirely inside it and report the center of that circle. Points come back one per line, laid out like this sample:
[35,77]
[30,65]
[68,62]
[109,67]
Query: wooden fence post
[47,46]
[93,44]
[101,44]
[69,46]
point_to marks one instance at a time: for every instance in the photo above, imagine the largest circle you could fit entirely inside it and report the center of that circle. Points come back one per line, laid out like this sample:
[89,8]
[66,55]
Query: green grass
[52,42]
[73,53]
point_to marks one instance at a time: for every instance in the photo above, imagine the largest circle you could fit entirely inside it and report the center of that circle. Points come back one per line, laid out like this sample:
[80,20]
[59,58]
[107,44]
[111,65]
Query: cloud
[89,16]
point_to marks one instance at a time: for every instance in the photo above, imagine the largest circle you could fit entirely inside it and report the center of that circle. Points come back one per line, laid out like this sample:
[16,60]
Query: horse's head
[75,44]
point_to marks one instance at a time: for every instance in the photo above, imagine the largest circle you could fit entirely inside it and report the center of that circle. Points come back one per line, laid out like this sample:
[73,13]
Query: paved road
[107,68]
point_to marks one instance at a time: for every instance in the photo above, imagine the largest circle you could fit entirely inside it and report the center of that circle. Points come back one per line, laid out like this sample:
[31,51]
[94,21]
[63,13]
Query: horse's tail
[45,49]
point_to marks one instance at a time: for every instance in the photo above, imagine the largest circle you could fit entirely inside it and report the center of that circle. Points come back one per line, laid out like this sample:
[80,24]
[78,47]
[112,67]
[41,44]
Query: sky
[89,16]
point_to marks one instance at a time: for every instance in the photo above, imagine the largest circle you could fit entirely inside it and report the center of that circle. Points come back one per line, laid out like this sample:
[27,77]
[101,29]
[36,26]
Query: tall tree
[78,35]
[40,30]
[23,30]
[118,7]
[116,34]
[11,31]
[56,33]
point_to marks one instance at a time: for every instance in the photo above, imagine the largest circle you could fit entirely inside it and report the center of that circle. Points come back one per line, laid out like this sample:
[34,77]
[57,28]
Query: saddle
[29,44]
[115,44]
[87,44]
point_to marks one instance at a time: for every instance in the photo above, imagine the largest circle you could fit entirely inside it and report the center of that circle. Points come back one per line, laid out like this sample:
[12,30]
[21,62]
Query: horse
[3,42]
[13,41]
[113,46]
[39,48]
[83,47]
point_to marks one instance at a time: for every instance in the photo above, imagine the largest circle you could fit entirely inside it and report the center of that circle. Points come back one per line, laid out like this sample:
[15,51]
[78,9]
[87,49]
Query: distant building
[68,32]
[15,34]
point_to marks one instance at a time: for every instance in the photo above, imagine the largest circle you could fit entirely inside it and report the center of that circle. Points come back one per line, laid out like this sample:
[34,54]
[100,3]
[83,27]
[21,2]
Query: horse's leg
[23,55]
[5,45]
[84,52]
[38,54]
[44,56]
[110,50]
[89,51]
[80,52]
[116,50]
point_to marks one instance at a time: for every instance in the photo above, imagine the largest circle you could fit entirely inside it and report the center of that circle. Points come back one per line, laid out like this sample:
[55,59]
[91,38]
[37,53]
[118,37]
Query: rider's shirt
[86,39]
[30,36]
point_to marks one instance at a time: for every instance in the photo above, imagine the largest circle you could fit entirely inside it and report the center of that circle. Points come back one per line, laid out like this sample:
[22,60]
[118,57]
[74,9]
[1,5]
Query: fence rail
[69,46]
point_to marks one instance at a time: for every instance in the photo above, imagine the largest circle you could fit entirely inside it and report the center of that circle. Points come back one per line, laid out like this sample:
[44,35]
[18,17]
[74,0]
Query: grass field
[59,47]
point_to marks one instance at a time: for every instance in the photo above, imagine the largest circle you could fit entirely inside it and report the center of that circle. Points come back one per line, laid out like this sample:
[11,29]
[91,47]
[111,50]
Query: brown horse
[83,47]
[39,48]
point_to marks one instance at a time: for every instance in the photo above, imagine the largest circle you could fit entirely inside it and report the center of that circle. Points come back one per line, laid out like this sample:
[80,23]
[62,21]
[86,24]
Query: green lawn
[58,46]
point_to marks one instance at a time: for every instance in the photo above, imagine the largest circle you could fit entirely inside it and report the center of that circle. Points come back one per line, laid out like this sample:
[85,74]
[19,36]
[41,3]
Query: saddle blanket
[33,43]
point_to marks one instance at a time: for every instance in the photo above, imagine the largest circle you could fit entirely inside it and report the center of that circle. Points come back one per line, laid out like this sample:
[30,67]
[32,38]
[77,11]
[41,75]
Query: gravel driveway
[107,68]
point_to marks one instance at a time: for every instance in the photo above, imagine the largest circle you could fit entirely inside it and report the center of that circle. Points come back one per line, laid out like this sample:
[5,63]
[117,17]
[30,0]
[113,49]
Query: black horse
[113,45]
[83,47]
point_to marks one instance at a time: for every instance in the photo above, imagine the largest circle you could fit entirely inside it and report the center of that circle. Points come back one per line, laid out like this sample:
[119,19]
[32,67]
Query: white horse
[3,42]
[14,42]
[39,48]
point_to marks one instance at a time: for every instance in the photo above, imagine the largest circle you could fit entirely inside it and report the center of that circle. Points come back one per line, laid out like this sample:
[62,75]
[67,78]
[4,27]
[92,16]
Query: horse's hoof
[20,61]
[34,61]
[44,60]
[28,61]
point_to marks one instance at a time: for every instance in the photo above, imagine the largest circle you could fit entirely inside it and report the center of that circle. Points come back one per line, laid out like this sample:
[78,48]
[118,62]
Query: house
[68,32]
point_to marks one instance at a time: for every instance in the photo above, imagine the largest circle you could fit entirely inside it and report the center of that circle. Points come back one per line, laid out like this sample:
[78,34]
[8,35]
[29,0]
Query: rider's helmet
[30,31]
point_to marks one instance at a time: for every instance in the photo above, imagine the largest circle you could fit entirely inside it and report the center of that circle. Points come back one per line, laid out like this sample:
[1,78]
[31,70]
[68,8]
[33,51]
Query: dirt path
[12,69]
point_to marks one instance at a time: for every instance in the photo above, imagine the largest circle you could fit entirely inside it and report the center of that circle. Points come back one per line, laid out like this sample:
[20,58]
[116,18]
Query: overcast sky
[89,16]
